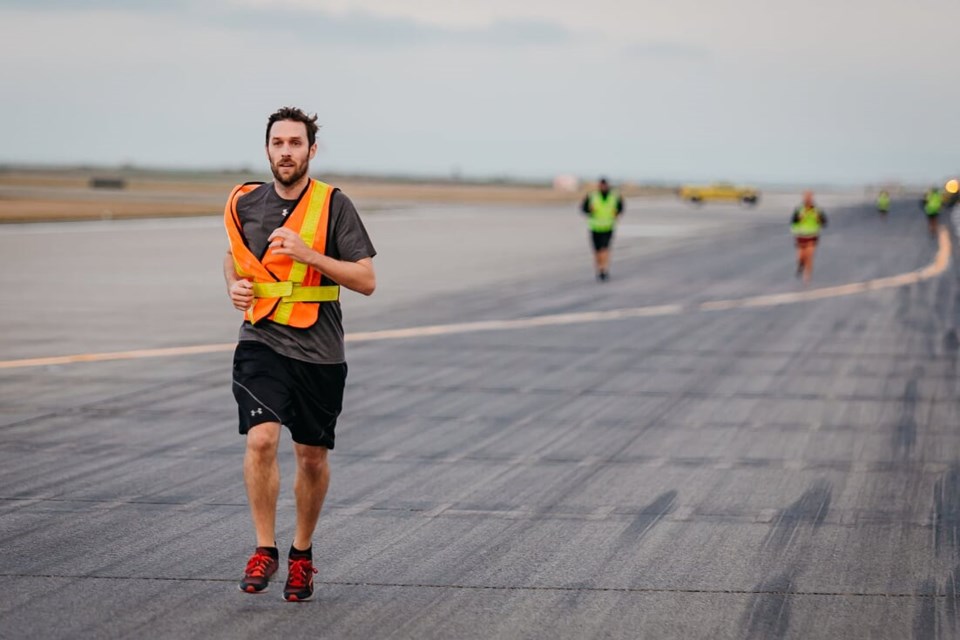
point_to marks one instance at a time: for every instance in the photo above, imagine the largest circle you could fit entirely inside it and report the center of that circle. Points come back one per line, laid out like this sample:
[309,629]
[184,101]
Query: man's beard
[299,172]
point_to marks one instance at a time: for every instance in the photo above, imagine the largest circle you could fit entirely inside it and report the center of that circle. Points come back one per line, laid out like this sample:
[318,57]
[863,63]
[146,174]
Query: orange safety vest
[285,291]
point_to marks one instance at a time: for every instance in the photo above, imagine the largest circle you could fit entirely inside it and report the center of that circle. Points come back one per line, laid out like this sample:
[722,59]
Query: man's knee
[312,460]
[262,439]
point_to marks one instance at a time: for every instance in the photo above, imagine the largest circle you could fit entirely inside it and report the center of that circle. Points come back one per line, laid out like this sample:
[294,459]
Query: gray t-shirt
[261,211]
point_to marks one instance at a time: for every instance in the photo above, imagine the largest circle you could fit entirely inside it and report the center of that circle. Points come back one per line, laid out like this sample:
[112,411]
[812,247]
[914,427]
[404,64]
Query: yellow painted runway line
[519,323]
[117,355]
[940,263]
[934,269]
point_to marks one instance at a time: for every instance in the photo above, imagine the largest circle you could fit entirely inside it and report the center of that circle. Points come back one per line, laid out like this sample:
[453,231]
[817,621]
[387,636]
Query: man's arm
[239,289]
[585,207]
[357,276]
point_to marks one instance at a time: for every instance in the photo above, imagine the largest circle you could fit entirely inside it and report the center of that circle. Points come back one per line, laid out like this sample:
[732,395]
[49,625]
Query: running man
[293,243]
[932,203]
[602,208]
[806,223]
[883,204]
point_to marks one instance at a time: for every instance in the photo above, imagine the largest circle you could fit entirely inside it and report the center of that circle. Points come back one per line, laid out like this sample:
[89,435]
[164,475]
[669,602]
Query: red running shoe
[299,585]
[260,567]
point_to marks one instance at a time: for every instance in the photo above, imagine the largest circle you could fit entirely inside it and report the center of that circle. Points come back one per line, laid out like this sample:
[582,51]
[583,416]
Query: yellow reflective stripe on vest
[284,310]
[272,289]
[294,292]
[327,293]
[291,293]
[308,230]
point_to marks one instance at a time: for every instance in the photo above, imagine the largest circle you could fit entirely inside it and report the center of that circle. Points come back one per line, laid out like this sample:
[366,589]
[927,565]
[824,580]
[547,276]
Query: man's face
[604,187]
[289,151]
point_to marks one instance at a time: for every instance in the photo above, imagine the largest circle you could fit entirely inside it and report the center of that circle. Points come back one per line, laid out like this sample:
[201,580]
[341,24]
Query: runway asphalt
[711,464]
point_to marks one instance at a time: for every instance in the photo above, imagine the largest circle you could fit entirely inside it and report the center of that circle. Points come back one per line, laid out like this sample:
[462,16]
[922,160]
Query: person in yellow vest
[602,208]
[806,224]
[293,243]
[932,203]
[883,204]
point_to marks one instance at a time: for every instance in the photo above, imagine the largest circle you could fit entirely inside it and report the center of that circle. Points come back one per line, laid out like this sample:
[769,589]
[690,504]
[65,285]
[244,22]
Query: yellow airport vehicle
[720,191]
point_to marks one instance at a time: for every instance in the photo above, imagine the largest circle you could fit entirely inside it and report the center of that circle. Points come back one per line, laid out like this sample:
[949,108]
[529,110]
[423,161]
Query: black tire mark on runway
[905,435]
[937,617]
[810,509]
[768,615]
[925,618]
[946,511]
[951,608]
[649,516]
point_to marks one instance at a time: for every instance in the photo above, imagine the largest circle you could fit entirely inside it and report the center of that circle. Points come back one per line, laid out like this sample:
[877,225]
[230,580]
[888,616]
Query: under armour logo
[285,212]
[256,412]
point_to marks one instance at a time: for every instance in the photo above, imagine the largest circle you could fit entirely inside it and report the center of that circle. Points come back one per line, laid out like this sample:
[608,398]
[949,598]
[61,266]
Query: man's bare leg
[261,474]
[808,264]
[603,259]
[310,489]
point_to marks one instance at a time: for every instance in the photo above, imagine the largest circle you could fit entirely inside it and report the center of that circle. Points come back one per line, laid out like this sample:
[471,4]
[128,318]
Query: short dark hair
[295,114]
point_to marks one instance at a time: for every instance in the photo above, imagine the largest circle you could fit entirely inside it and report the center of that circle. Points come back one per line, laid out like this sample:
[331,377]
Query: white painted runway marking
[934,269]
[99,226]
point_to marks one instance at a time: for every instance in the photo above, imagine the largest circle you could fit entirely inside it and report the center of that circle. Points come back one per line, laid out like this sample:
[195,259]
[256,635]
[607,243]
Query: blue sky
[748,90]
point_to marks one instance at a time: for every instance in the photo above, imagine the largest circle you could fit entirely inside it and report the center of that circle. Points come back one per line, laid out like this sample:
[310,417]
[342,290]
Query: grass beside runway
[46,195]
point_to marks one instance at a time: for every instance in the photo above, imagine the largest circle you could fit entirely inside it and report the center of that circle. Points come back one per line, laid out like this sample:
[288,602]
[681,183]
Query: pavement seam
[474,587]
[839,518]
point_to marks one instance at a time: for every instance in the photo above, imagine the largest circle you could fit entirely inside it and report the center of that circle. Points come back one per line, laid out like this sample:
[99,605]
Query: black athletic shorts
[601,239]
[304,397]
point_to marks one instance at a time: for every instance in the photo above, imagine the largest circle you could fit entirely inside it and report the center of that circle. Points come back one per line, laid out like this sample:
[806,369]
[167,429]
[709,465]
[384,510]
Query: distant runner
[932,203]
[602,208]
[807,222]
[883,203]
[293,243]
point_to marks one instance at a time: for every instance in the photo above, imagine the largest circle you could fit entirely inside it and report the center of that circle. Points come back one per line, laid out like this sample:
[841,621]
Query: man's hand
[241,294]
[285,242]
[357,276]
